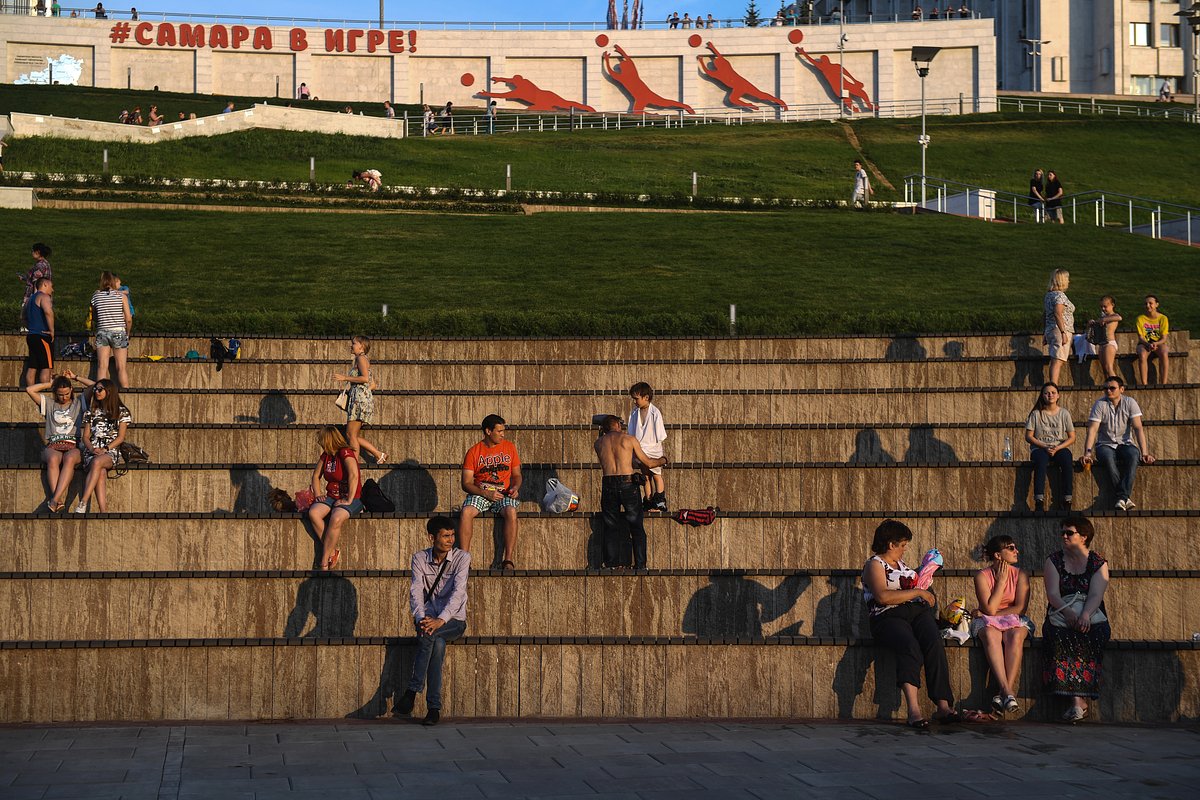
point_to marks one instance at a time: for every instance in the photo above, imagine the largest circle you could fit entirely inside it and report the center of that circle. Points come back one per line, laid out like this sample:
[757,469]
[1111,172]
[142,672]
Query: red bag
[696,517]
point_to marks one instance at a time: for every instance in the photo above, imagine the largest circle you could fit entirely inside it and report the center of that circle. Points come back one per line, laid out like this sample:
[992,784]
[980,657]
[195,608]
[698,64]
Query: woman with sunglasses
[64,417]
[1002,589]
[1050,433]
[104,425]
[1076,628]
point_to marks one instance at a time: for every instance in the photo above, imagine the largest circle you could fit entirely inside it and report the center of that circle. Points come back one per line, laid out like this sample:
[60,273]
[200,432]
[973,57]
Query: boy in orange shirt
[491,477]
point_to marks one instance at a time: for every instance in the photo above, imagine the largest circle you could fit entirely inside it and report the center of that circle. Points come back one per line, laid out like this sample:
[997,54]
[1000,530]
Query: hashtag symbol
[120,32]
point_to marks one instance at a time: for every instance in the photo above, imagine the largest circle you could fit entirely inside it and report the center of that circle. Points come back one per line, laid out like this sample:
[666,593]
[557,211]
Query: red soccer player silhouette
[526,91]
[738,88]
[625,74]
[831,72]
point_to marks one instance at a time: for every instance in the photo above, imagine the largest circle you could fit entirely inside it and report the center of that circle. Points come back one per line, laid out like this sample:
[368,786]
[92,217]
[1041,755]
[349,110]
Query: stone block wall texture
[455,65]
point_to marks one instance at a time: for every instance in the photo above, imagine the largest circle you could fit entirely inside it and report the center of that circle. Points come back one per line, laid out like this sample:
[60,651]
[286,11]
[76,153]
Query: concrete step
[226,680]
[834,487]
[884,444]
[898,348]
[750,407]
[1159,540]
[678,376]
[183,605]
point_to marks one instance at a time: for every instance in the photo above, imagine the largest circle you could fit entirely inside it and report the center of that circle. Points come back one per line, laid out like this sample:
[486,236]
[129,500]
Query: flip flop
[918,724]
[383,457]
[333,559]
[506,564]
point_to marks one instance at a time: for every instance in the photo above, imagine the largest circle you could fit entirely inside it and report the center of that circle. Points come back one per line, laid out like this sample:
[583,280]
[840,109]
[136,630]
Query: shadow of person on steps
[274,409]
[925,448]
[410,487]
[905,348]
[252,489]
[1028,362]
[735,606]
[393,679]
[331,601]
[868,449]
[842,614]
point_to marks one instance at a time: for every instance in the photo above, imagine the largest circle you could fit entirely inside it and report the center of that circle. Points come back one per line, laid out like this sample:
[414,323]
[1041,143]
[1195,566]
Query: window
[1168,35]
[1141,84]
[1139,34]
[1058,68]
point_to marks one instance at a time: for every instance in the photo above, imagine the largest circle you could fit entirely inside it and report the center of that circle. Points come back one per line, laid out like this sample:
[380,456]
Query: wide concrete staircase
[190,600]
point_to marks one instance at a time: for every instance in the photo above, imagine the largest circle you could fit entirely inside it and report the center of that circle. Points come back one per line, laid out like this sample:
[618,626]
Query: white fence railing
[1035,105]
[1157,219]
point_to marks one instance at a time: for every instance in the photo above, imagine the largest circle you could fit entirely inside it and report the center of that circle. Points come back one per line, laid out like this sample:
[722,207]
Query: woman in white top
[903,620]
[1050,433]
[63,412]
[114,321]
[1058,313]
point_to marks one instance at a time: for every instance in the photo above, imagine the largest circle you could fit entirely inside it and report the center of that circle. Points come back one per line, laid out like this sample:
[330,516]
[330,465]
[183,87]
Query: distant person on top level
[371,177]
[1037,195]
[1054,196]
[302,93]
[155,117]
[228,108]
[100,12]
[388,111]
[964,11]
[133,15]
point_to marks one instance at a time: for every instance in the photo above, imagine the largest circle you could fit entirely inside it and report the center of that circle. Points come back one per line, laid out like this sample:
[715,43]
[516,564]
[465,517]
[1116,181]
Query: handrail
[1041,105]
[814,20]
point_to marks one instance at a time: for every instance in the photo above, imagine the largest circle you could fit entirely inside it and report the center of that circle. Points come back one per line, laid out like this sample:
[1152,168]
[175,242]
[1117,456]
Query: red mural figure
[835,73]
[625,74]
[739,89]
[526,91]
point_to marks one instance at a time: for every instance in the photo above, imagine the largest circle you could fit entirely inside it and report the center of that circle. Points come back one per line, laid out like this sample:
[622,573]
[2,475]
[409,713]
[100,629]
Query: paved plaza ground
[605,760]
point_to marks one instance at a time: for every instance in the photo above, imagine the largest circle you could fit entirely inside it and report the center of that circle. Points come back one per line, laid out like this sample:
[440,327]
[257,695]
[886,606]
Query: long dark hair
[111,404]
[1040,403]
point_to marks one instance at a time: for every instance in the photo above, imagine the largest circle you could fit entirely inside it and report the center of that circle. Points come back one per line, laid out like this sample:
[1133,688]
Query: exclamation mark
[412,41]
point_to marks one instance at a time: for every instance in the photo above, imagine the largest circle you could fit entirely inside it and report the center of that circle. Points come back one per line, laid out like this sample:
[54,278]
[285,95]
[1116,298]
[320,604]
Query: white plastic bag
[559,499]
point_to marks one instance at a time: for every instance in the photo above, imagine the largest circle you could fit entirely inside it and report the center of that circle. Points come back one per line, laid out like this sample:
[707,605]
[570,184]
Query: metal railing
[814,20]
[1158,219]
[517,122]
[1094,107]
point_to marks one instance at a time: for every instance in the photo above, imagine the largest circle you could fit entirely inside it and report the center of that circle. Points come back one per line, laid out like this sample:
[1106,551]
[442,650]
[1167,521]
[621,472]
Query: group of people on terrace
[949,12]
[1075,630]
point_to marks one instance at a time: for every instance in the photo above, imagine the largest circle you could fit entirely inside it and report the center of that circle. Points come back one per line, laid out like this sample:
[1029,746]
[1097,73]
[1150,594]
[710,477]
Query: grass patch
[818,272]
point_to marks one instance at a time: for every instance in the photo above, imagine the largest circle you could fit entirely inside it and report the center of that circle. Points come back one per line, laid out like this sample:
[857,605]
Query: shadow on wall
[533,482]
[252,490]
[954,350]
[843,614]
[393,680]
[868,449]
[733,605]
[1028,362]
[925,448]
[410,487]
[905,348]
[274,409]
[331,602]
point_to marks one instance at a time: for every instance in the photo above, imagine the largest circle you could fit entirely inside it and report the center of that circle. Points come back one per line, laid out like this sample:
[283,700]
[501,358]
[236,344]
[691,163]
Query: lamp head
[922,56]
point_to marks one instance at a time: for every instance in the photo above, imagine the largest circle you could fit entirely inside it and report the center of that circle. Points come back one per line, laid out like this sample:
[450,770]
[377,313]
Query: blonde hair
[331,440]
[364,341]
[109,281]
[1060,279]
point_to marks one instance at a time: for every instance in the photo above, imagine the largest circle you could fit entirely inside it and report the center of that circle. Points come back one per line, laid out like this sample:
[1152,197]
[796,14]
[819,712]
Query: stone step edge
[375,641]
[624,393]
[594,467]
[589,515]
[686,426]
[598,362]
[522,573]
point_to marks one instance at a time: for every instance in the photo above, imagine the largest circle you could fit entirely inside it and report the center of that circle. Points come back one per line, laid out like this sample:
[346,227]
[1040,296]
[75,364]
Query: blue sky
[473,10]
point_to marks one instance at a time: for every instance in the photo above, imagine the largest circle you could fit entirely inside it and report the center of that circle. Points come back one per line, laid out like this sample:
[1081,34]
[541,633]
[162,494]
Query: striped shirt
[109,307]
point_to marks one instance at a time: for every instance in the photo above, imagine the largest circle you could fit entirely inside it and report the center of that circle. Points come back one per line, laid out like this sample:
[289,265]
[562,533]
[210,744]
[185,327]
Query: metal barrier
[1094,107]
[1157,219]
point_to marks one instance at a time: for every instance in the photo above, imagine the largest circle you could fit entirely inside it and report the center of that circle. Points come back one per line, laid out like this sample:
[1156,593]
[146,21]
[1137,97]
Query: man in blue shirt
[438,600]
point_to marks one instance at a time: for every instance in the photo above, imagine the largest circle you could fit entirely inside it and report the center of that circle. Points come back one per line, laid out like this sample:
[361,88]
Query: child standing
[646,425]
[1107,350]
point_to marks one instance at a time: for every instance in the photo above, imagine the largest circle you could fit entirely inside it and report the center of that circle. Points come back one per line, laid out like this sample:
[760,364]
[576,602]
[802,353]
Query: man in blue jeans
[1116,439]
[616,450]
[438,601]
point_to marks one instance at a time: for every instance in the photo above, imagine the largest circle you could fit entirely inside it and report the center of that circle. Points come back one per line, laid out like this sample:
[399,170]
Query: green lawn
[605,273]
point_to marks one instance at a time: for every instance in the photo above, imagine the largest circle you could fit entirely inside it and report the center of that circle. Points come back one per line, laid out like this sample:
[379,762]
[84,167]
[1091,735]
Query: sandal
[998,704]
[1011,705]
[918,724]
[383,457]
[506,564]
[948,719]
[53,507]
[333,559]
[971,715]
[1075,714]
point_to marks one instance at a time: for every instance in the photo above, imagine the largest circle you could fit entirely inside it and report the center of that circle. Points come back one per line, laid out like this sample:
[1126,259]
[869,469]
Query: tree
[752,19]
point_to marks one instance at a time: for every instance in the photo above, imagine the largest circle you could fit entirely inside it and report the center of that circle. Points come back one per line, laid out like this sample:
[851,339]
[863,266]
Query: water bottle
[1007,455]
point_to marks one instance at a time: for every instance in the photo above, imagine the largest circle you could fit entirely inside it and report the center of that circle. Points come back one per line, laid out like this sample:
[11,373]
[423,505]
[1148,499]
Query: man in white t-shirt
[1116,439]
[862,187]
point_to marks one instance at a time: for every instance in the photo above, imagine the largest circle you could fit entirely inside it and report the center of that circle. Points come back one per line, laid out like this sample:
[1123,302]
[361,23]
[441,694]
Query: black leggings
[911,632]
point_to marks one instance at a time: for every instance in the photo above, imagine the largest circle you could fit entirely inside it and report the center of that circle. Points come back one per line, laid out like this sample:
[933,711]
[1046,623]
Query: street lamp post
[1035,50]
[1192,15]
[921,57]
[842,59]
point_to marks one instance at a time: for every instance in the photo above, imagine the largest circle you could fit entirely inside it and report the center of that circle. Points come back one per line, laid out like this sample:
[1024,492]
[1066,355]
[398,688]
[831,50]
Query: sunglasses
[1009,547]
[1112,388]
[1069,532]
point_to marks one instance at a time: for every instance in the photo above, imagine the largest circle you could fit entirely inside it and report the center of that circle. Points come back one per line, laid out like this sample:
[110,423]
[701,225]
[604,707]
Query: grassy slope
[786,272]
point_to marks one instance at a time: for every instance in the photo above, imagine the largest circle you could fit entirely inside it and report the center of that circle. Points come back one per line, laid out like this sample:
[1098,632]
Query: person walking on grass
[360,405]
[862,187]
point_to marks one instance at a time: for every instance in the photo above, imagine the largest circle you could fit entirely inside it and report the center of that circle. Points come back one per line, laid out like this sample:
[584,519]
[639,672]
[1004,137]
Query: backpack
[696,517]
[374,500]
[234,348]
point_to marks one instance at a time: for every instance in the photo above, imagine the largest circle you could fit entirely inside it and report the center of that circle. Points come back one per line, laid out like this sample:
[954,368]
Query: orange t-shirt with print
[492,466]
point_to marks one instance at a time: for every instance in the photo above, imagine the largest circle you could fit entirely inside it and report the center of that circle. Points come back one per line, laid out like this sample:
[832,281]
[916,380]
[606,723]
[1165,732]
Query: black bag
[218,352]
[1096,334]
[128,453]
[374,500]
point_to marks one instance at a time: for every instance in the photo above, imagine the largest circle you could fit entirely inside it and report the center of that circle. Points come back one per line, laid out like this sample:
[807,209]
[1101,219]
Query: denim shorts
[355,507]
[115,339]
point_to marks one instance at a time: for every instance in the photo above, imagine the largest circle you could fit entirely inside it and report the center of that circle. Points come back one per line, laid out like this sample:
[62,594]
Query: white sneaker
[1123,504]
[1130,505]
[81,508]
